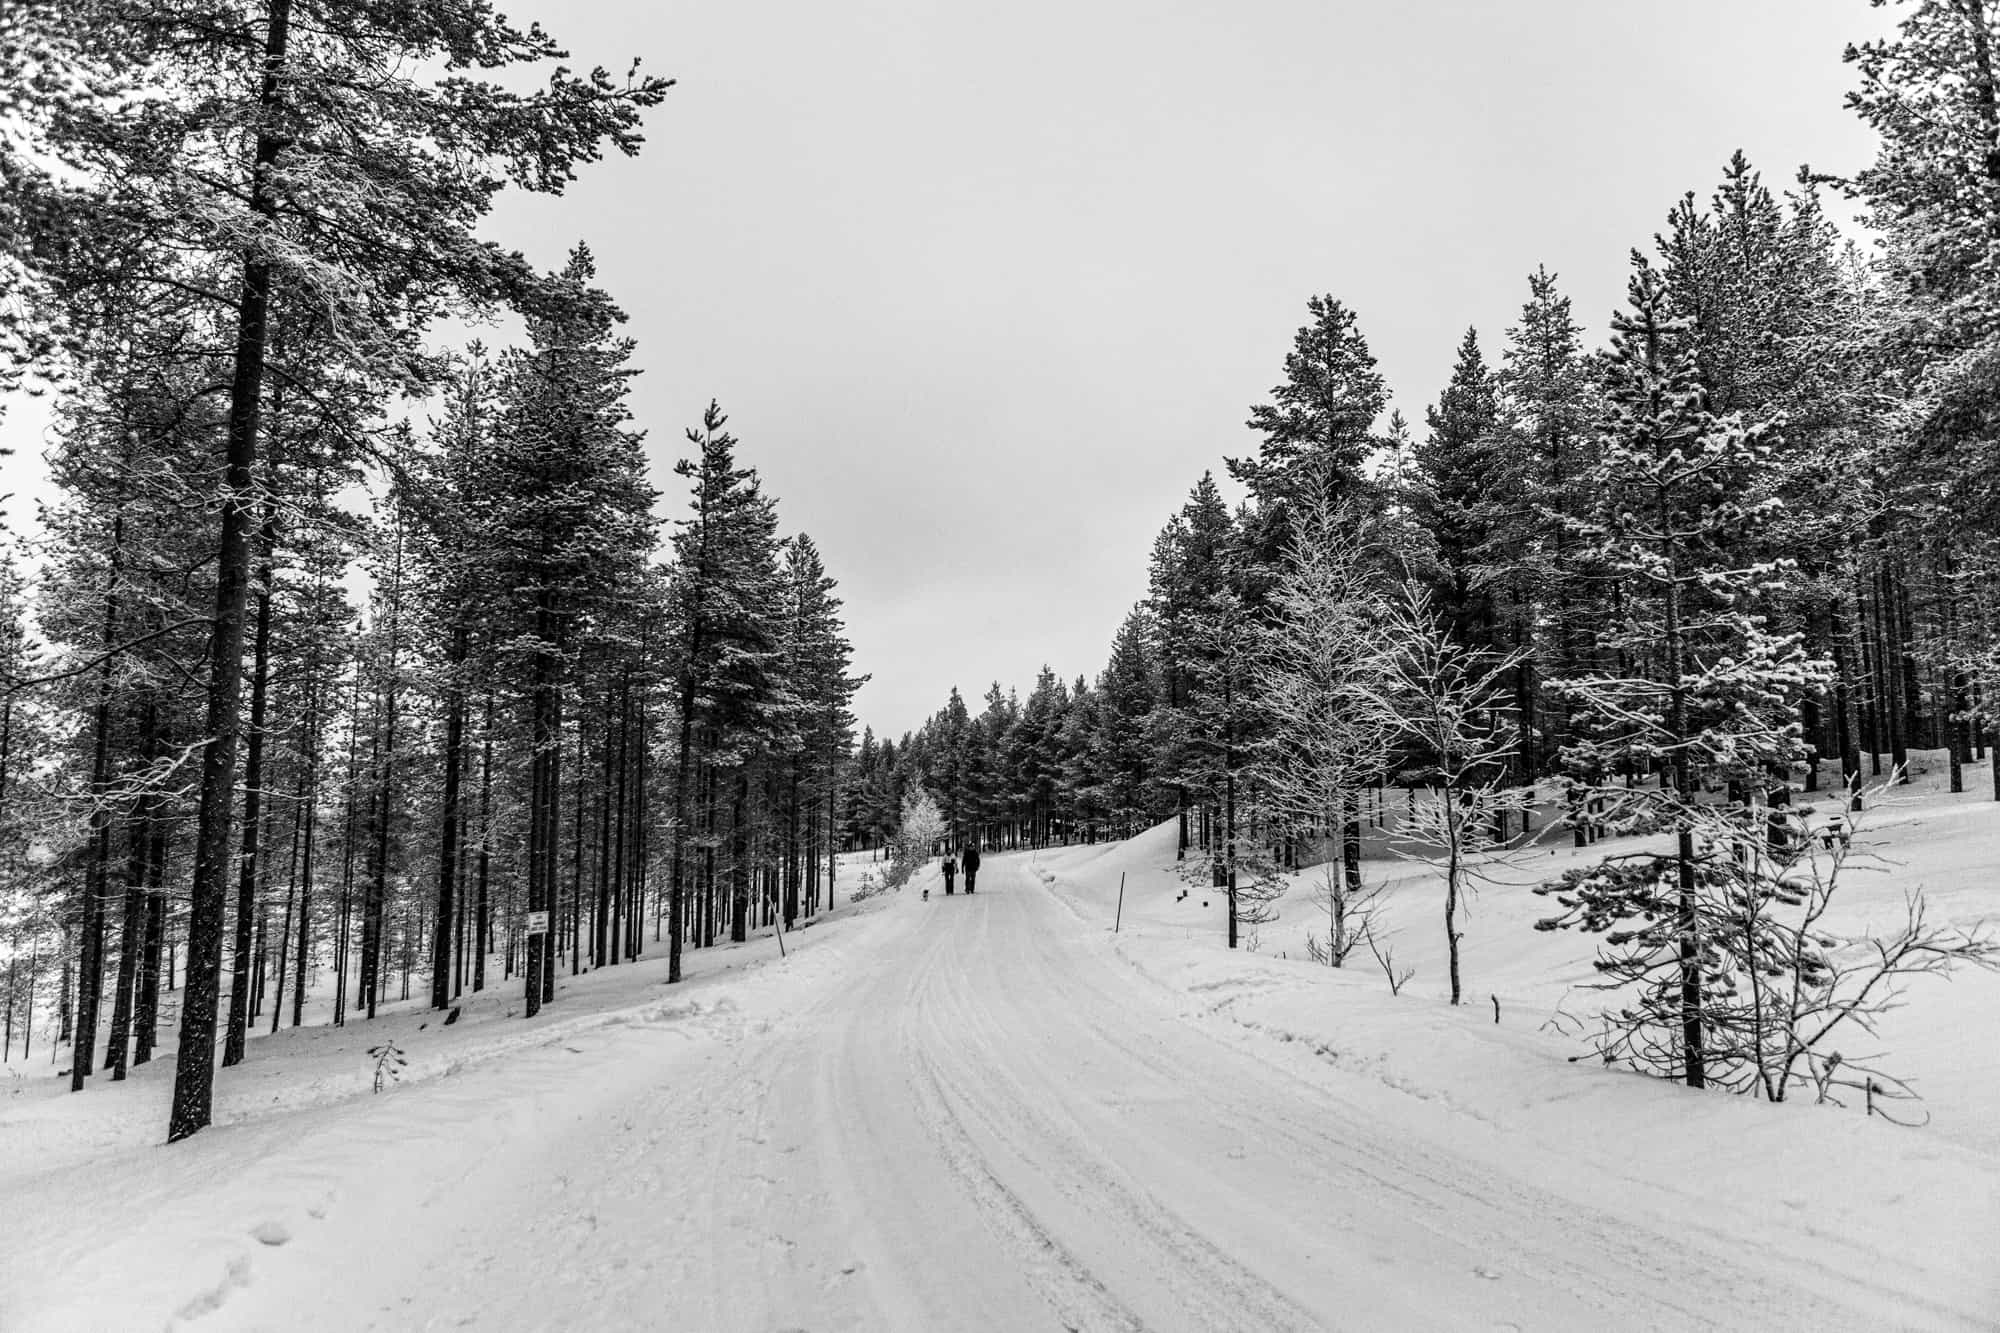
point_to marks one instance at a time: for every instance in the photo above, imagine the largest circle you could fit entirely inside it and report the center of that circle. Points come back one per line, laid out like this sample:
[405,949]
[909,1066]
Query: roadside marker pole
[1121,903]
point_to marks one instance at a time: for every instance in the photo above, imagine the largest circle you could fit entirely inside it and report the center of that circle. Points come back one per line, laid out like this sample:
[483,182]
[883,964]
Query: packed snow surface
[992,1112]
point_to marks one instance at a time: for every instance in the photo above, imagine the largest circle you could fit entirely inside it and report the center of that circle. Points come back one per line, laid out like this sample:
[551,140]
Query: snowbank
[1927,1200]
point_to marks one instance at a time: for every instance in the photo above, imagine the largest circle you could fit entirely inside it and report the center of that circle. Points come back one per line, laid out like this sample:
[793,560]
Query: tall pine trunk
[253,798]
[1692,1027]
[146,1019]
[302,950]
[545,796]
[448,820]
[194,1066]
[482,928]
[677,890]
[90,943]
[132,926]
[375,913]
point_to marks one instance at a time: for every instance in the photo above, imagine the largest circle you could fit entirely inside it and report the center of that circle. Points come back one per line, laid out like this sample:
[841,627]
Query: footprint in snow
[271,1233]
[1490,1274]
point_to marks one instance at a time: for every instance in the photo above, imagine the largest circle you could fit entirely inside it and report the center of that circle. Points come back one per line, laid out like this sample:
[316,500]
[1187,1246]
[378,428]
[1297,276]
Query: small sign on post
[538,923]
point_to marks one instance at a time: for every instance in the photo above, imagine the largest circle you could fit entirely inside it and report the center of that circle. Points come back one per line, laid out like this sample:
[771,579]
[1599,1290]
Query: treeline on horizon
[221,779]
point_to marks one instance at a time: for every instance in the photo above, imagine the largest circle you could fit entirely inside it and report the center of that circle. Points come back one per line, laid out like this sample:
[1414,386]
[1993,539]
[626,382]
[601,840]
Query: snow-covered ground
[992,1112]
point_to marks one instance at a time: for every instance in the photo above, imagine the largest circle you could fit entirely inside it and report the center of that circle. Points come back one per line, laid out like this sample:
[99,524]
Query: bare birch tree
[1442,705]
[1317,675]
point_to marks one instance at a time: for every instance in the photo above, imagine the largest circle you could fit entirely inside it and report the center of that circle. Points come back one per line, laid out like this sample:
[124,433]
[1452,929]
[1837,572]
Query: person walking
[971,865]
[951,872]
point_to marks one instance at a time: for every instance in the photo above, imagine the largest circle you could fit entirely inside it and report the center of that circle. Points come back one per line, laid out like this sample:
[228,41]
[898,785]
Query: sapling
[1442,703]
[389,1061]
[1780,986]
[1350,913]
[1386,956]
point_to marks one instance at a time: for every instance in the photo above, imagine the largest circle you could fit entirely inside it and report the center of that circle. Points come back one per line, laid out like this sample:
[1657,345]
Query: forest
[356,664]
[348,663]
[1742,553]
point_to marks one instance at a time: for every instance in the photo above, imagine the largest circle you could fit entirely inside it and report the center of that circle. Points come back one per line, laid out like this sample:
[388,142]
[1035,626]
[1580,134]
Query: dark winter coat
[971,858]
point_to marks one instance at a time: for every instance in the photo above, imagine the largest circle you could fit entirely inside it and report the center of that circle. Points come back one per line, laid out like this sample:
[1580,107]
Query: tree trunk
[194,1066]
[677,890]
[620,908]
[90,945]
[342,936]
[147,1017]
[601,923]
[139,829]
[291,903]
[1844,724]
[482,930]
[545,789]
[448,814]
[253,798]
[1692,1027]
[739,861]
[129,944]
[1893,663]
[375,910]
[302,949]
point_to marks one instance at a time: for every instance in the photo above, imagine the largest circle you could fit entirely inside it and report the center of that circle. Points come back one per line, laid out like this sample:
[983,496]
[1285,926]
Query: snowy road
[965,1114]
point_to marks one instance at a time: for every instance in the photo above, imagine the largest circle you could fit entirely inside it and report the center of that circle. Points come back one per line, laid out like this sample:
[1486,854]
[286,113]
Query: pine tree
[1546,401]
[362,224]
[447,546]
[1127,693]
[819,661]
[568,523]
[729,607]
[1318,430]
[1188,572]
[1702,691]
[1462,465]
[1321,419]
[1932,92]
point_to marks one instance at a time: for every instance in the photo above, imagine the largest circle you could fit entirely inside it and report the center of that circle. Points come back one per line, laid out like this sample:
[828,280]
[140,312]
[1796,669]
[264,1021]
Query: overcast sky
[984,288]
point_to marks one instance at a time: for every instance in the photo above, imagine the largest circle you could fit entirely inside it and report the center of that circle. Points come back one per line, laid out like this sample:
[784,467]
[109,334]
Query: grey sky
[984,288]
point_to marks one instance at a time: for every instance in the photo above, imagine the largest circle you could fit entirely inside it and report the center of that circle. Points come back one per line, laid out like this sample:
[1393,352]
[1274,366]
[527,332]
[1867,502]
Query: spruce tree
[1701,691]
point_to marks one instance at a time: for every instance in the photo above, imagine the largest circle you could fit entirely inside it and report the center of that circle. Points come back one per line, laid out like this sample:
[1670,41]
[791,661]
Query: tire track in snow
[979,1077]
[1065,1282]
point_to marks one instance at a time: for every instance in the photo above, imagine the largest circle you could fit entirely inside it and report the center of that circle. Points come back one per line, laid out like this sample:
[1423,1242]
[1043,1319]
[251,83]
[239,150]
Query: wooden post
[1117,920]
